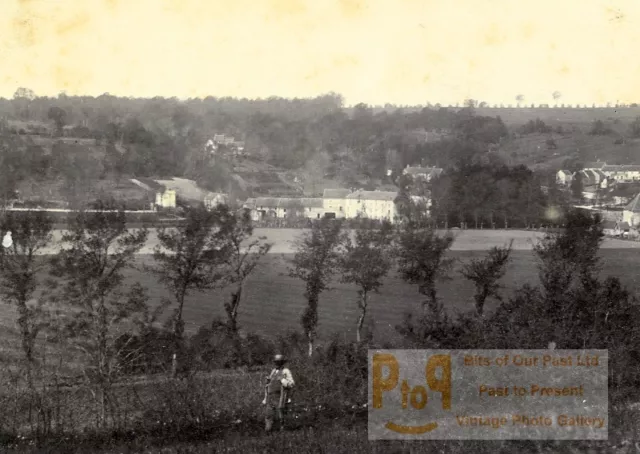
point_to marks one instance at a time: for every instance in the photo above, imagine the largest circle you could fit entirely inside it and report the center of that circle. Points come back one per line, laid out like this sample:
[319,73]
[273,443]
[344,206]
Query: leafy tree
[599,129]
[551,144]
[570,254]
[91,288]
[190,257]
[535,126]
[470,103]
[365,263]
[422,260]
[20,265]
[242,260]
[634,128]
[316,260]
[485,274]
[59,117]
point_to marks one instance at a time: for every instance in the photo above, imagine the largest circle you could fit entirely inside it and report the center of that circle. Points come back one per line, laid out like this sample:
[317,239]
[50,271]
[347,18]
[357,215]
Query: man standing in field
[277,393]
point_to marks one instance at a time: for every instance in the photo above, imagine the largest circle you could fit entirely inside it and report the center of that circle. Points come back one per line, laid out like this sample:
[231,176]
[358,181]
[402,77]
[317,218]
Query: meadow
[273,302]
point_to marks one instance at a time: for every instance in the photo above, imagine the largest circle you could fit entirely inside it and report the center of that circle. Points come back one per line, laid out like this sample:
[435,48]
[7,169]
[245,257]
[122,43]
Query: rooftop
[151,184]
[634,205]
[315,202]
[373,195]
[335,193]
[284,202]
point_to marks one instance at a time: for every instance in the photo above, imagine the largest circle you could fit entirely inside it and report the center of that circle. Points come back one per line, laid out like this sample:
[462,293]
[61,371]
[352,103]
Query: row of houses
[334,203]
[599,173]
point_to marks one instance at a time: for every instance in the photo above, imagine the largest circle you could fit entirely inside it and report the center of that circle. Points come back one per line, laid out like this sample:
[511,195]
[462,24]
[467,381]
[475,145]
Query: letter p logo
[380,384]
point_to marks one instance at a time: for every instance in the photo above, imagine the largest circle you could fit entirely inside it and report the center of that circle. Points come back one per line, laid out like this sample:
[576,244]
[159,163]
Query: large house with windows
[335,203]
[371,204]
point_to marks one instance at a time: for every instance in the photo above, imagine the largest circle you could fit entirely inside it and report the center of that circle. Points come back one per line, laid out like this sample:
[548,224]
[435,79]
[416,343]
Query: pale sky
[373,51]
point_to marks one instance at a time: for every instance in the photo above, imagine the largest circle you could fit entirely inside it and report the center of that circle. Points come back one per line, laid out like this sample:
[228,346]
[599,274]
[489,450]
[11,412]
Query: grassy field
[532,149]
[273,302]
[558,116]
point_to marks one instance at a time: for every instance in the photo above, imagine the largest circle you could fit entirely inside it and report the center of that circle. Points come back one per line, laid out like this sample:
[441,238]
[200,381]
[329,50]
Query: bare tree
[315,262]
[485,274]
[366,262]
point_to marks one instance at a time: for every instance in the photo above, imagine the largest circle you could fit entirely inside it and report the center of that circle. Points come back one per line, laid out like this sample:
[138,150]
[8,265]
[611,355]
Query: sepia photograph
[319,226]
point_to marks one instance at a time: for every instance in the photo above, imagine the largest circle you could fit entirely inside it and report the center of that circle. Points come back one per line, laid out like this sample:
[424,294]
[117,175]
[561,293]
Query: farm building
[371,204]
[564,177]
[164,198]
[333,202]
[617,172]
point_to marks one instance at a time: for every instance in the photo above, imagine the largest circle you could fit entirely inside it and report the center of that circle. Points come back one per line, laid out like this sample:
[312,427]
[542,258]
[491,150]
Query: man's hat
[279,358]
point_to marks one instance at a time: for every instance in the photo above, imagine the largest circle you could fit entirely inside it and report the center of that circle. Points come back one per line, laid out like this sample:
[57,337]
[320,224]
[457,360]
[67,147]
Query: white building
[371,204]
[166,198]
[333,202]
[564,177]
[313,208]
[283,207]
[622,172]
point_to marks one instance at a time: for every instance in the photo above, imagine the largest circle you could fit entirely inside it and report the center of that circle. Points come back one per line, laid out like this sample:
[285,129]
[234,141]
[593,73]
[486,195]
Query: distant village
[611,186]
[335,203]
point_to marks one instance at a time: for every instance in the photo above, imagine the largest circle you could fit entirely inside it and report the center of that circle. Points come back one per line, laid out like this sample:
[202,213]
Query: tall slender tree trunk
[178,331]
[311,340]
[232,308]
[363,313]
